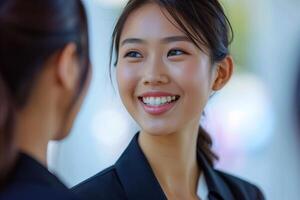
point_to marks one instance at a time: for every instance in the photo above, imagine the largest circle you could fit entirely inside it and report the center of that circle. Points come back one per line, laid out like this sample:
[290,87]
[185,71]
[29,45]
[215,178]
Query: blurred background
[252,120]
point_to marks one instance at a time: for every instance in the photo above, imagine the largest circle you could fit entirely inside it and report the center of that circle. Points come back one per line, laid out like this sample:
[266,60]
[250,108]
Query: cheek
[194,79]
[71,116]
[127,80]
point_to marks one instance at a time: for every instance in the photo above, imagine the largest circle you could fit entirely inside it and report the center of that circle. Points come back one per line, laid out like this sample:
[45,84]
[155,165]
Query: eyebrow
[164,40]
[179,38]
[132,41]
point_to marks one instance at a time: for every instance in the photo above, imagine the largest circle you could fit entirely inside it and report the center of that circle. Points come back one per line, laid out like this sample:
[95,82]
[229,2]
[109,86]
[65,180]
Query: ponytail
[204,145]
[7,150]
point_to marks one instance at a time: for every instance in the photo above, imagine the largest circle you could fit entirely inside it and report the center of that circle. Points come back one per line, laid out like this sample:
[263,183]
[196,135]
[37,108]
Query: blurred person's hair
[206,25]
[31,31]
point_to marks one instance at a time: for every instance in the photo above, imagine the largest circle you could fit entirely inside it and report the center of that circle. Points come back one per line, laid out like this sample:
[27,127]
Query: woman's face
[164,80]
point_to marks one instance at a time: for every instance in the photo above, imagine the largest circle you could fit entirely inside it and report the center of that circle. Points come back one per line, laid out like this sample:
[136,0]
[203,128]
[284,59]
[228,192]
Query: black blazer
[32,181]
[132,178]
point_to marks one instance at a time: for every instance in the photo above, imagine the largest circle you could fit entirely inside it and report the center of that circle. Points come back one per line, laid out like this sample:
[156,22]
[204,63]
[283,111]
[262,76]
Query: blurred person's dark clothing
[30,180]
[132,178]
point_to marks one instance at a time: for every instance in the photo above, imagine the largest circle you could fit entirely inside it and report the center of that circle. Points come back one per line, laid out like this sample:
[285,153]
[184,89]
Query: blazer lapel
[139,181]
[136,175]
[218,189]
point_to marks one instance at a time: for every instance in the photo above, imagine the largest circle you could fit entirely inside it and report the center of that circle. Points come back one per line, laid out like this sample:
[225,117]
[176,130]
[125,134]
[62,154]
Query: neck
[33,133]
[173,159]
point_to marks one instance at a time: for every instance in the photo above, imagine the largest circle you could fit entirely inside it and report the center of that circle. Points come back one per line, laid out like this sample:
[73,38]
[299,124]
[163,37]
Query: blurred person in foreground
[44,75]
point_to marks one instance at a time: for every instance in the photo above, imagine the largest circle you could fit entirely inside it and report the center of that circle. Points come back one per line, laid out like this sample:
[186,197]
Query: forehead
[150,21]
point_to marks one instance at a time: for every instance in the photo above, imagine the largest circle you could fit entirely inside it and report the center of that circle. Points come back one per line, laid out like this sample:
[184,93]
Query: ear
[223,73]
[67,70]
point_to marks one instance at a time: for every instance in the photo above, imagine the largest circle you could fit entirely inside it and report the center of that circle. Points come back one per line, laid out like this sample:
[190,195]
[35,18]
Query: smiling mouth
[158,101]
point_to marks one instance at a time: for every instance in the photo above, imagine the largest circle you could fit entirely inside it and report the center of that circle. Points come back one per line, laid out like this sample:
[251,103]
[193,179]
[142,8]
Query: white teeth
[169,99]
[145,100]
[151,101]
[157,101]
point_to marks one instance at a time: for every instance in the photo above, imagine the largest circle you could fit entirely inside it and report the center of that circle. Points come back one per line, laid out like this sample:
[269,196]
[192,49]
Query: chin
[157,127]
[60,136]
[65,130]
[157,131]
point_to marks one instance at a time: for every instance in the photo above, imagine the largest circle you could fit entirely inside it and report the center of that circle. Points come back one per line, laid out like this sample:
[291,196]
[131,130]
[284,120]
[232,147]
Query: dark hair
[6,128]
[206,25]
[31,31]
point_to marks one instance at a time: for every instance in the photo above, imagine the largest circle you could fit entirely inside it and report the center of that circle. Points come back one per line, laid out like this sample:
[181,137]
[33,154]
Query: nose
[155,73]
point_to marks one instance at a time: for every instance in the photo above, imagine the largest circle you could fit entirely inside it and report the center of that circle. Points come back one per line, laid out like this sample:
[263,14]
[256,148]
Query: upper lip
[157,94]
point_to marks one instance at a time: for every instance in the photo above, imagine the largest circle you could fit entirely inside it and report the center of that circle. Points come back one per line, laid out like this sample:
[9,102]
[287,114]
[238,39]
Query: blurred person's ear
[67,71]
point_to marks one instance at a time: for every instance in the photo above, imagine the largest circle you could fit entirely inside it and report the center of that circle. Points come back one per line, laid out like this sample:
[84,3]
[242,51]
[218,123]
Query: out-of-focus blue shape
[240,117]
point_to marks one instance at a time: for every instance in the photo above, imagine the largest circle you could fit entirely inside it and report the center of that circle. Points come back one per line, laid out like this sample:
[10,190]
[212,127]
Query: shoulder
[240,187]
[20,191]
[104,185]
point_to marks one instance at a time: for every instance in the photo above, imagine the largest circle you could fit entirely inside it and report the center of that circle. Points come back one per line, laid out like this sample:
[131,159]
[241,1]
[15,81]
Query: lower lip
[158,110]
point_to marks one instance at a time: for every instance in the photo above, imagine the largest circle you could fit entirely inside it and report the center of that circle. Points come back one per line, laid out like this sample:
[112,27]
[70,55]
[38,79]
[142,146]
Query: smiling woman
[172,55]
[161,63]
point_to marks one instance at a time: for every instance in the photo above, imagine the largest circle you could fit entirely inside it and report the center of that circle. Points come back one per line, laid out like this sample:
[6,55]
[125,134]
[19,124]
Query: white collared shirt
[202,190]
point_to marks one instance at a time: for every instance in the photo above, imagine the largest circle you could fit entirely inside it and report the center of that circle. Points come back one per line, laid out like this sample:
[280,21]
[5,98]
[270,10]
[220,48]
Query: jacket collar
[139,181]
[136,174]
[218,189]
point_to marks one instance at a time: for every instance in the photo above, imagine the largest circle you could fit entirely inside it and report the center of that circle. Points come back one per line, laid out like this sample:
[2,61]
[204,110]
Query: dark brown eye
[133,54]
[176,52]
